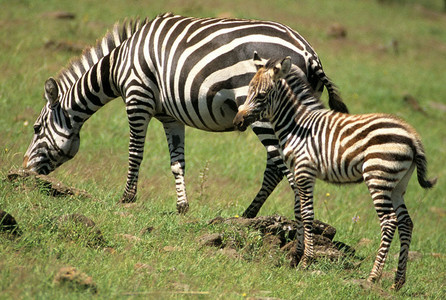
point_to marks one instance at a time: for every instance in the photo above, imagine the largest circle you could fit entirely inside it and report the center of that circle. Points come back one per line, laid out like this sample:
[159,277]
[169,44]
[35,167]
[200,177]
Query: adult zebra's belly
[212,111]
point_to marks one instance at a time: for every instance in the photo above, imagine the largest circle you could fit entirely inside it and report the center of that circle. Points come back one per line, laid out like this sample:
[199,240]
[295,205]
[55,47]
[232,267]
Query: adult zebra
[180,70]
[379,149]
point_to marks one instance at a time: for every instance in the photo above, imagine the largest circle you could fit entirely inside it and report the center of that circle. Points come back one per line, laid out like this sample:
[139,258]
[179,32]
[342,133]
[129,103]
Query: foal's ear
[282,68]
[51,91]
[258,61]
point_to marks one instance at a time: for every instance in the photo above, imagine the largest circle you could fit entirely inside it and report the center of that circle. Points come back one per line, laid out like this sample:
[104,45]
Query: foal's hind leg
[405,227]
[381,191]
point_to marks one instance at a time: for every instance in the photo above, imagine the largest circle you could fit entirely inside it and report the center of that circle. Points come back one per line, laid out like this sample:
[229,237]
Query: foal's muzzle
[240,122]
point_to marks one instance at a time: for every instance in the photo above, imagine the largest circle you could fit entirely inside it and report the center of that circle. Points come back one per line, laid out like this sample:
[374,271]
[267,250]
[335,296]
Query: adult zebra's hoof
[128,199]
[182,208]
[249,213]
[398,284]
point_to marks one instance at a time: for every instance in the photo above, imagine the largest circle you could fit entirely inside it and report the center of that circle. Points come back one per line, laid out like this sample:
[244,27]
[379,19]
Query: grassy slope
[370,78]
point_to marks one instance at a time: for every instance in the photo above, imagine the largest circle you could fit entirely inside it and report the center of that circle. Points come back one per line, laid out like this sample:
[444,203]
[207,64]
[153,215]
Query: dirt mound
[76,279]
[26,180]
[79,228]
[275,236]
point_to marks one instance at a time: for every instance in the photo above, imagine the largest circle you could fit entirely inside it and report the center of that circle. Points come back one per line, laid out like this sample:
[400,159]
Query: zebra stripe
[180,70]
[379,149]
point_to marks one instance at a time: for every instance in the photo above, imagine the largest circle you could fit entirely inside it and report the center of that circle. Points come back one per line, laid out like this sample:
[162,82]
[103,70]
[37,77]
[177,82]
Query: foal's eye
[261,95]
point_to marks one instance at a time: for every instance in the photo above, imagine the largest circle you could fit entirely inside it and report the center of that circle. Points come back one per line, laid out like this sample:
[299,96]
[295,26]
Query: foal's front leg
[305,186]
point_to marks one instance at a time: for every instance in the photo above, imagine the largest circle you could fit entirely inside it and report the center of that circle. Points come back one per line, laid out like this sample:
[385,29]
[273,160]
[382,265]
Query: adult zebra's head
[55,139]
[261,91]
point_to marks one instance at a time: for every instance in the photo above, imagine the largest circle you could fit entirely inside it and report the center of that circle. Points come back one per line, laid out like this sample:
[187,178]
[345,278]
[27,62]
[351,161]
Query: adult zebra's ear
[282,68]
[51,91]
[258,61]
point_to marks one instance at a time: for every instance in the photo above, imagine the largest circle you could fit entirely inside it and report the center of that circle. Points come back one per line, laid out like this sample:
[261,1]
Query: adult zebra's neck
[91,91]
[88,83]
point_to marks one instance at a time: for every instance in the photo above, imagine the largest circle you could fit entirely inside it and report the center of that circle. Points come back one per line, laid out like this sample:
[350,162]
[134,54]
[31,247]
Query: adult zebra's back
[180,70]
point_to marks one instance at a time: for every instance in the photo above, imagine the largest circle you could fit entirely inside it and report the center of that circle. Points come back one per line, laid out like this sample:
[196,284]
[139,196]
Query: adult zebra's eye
[37,128]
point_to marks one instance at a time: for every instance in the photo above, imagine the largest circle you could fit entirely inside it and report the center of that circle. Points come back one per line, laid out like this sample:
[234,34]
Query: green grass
[371,77]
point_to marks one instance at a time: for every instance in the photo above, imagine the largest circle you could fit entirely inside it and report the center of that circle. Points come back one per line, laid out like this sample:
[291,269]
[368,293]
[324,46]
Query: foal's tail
[421,163]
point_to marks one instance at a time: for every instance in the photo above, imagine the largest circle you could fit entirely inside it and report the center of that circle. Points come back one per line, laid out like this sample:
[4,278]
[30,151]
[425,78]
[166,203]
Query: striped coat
[182,71]
[379,149]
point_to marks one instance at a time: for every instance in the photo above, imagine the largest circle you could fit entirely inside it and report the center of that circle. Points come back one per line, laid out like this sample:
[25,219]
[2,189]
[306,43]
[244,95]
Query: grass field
[373,75]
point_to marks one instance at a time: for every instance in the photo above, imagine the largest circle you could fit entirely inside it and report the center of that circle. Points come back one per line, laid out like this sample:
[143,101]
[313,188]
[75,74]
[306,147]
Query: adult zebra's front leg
[175,139]
[139,115]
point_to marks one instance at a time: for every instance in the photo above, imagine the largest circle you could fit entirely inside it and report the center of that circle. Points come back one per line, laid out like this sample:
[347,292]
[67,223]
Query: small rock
[76,279]
[9,224]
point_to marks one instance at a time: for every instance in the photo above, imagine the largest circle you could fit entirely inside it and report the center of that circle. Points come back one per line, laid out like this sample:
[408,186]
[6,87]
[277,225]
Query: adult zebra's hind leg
[175,140]
[275,168]
[271,178]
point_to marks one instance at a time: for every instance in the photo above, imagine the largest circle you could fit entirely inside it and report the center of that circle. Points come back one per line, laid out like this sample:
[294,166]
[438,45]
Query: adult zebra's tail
[421,163]
[334,99]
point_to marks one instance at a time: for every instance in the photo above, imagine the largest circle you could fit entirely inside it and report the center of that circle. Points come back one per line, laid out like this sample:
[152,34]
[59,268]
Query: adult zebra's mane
[91,55]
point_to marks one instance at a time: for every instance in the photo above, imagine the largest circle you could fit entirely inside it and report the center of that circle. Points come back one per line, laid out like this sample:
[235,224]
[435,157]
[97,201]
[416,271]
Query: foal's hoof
[182,208]
[306,262]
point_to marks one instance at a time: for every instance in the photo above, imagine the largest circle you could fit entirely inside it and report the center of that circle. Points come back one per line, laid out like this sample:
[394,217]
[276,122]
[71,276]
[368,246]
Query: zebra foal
[379,149]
